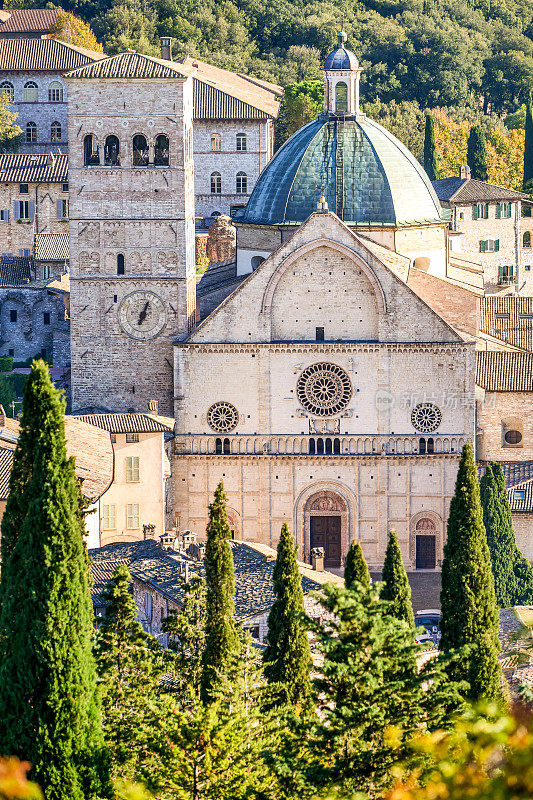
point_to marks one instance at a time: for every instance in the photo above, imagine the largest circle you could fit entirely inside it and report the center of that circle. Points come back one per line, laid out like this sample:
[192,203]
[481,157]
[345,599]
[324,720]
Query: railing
[320,445]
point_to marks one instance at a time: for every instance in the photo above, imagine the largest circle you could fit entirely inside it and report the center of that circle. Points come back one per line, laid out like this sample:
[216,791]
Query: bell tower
[131,227]
[341,80]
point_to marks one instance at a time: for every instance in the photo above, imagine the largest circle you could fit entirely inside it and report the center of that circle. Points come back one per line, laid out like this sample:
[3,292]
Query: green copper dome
[366,175]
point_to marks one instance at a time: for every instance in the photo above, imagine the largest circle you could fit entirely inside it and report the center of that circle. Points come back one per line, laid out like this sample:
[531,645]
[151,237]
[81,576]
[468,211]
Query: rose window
[426,417]
[324,389]
[222,417]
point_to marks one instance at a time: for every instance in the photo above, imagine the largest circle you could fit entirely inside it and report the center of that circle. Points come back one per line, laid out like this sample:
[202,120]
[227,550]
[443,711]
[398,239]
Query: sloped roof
[503,371]
[15,271]
[454,303]
[221,94]
[129,423]
[29,20]
[518,481]
[6,464]
[33,168]
[132,65]
[51,247]
[470,190]
[43,55]
[509,318]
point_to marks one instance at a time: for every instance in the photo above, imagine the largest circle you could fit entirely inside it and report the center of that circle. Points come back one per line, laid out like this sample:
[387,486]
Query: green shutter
[509,210]
[500,274]
[482,246]
[511,271]
[498,210]
[486,214]
[475,212]
[496,245]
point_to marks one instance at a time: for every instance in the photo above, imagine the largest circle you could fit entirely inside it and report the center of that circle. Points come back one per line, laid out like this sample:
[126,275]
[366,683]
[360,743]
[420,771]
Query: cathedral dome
[367,176]
[341,58]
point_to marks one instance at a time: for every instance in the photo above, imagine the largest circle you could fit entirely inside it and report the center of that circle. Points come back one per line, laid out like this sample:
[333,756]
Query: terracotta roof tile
[129,423]
[502,371]
[132,65]
[51,247]
[42,55]
[15,270]
[455,304]
[462,190]
[509,318]
[29,20]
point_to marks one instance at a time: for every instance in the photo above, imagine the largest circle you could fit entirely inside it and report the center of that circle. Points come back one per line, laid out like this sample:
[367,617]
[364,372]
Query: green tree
[301,103]
[528,149]
[500,535]
[74,30]
[476,156]
[222,641]
[130,664]
[395,588]
[10,134]
[355,568]
[287,656]
[431,164]
[48,698]
[468,603]
[186,631]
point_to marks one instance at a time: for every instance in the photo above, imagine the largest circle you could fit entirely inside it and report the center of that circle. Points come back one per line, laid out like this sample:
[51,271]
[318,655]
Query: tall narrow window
[7,88]
[218,447]
[132,469]
[215,142]
[242,144]
[120,264]
[91,151]
[140,151]
[31,132]
[55,132]
[31,93]
[55,92]
[216,183]
[242,183]
[319,334]
[227,448]
[112,151]
[132,515]
[526,239]
[162,151]
[109,517]
[341,97]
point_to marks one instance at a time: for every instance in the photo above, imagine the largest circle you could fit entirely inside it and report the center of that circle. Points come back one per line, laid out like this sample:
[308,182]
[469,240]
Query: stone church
[322,390]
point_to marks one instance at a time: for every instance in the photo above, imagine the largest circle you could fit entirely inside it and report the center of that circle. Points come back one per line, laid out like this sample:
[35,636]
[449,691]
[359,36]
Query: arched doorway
[426,544]
[326,525]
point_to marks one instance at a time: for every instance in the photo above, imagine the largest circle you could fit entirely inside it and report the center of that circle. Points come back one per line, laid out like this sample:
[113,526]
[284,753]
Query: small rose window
[222,417]
[426,417]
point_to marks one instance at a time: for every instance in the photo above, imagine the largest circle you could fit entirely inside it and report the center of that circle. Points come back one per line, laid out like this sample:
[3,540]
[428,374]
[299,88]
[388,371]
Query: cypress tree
[186,631]
[395,587]
[222,641]
[431,164]
[476,156]
[130,664]
[48,703]
[468,603]
[528,149]
[355,568]
[500,534]
[287,656]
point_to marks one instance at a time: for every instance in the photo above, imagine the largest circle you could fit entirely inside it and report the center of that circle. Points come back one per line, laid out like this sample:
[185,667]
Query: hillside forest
[469,60]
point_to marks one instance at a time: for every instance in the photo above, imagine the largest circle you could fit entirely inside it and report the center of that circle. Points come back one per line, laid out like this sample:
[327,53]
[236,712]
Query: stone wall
[39,314]
[523,528]
[498,412]
[17,236]
[42,112]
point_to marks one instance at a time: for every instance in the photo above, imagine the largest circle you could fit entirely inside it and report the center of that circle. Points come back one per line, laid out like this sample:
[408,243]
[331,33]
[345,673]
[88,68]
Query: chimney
[317,558]
[465,172]
[2,416]
[166,48]
[322,206]
[148,531]
[50,160]
[152,407]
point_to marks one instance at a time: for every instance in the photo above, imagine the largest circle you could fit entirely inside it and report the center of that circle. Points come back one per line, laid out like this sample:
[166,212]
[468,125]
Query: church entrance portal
[426,552]
[326,532]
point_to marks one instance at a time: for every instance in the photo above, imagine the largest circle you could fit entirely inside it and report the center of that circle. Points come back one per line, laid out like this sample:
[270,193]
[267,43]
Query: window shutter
[511,271]
[60,209]
[482,246]
[509,210]
[31,210]
[496,245]
[6,215]
[498,210]
[16,210]
[500,273]
[486,214]
[475,212]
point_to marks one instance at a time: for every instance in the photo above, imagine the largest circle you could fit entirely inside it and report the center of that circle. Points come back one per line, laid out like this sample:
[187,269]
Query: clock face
[142,315]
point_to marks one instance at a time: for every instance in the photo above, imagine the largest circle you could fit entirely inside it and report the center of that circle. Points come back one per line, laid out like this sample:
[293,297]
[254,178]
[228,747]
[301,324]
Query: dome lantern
[341,80]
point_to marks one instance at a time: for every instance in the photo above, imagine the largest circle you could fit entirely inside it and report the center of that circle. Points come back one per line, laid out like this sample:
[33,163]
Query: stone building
[492,225]
[233,135]
[31,74]
[131,229]
[34,200]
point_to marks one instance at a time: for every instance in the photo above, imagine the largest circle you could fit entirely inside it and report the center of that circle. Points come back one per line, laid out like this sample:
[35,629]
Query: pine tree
[48,702]
[395,587]
[468,603]
[130,664]
[528,149]
[222,641]
[186,632]
[355,568]
[287,656]
[500,535]
[476,156]
[431,164]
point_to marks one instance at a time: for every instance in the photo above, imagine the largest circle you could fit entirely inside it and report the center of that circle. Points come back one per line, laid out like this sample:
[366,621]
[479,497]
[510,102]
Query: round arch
[426,523]
[324,498]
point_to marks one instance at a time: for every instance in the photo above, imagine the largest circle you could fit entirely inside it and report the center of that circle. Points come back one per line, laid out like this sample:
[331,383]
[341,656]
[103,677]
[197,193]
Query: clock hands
[142,315]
